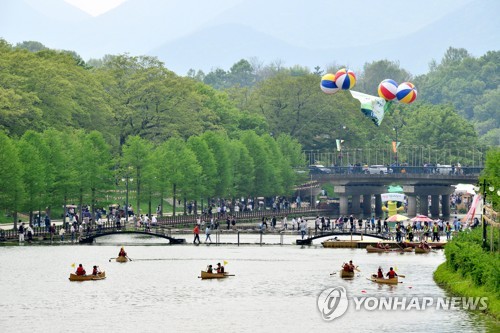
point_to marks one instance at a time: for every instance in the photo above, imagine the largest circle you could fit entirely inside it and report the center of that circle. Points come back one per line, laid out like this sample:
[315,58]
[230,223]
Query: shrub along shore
[470,270]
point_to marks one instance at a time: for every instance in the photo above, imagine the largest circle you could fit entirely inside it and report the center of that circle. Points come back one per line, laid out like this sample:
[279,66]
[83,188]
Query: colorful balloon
[328,85]
[387,89]
[345,79]
[406,93]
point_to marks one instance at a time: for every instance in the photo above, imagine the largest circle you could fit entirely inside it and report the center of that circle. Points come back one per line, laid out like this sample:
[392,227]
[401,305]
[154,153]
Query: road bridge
[361,188]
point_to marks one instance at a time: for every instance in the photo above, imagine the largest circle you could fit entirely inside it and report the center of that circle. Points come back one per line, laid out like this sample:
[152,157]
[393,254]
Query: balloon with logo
[406,93]
[387,89]
[328,85]
[345,79]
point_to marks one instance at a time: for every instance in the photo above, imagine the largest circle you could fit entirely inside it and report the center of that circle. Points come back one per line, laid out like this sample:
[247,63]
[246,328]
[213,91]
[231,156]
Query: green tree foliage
[491,174]
[136,157]
[242,168]
[32,46]
[217,142]
[207,180]
[436,126]
[263,171]
[48,89]
[181,168]
[465,255]
[60,167]
[470,84]
[292,150]
[34,176]
[11,172]
[376,71]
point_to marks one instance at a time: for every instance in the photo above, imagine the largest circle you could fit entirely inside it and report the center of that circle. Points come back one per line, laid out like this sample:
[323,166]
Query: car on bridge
[377,170]
[443,169]
[318,168]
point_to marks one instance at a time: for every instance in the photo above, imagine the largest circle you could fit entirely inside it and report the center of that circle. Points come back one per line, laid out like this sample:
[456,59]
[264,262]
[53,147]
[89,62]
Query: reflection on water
[275,289]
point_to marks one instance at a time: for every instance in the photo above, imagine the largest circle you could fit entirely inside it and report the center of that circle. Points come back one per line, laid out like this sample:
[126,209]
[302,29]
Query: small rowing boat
[121,259]
[408,249]
[345,274]
[373,249]
[394,280]
[206,275]
[422,250]
[99,276]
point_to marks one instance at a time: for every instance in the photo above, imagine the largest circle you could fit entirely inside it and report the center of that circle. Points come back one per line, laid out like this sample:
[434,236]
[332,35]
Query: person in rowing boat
[80,270]
[95,271]
[220,269]
[391,274]
[122,253]
[209,269]
[348,267]
[351,266]
[379,275]
[424,245]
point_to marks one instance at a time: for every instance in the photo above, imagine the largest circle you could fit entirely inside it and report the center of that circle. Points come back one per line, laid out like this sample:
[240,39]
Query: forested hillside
[126,95]
[72,130]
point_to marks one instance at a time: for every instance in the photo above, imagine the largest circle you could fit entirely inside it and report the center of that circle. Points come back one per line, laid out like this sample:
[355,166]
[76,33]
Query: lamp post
[396,146]
[126,180]
[339,148]
[491,188]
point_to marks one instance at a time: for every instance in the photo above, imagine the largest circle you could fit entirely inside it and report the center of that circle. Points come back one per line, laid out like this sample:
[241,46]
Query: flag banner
[373,107]
[339,143]
[395,146]
[393,197]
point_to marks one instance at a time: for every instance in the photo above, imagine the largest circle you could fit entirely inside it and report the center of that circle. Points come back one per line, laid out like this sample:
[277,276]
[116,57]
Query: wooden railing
[163,222]
[240,216]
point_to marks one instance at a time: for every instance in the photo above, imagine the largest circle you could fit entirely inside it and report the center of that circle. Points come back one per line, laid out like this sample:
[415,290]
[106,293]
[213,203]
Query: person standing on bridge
[351,222]
[196,232]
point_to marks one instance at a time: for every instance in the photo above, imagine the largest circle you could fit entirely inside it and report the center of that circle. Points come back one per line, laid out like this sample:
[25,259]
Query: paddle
[128,258]
[111,259]
[401,275]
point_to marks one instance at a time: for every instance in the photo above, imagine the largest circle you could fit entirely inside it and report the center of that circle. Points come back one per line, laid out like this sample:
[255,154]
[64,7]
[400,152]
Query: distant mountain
[223,45]
[207,34]
[136,26]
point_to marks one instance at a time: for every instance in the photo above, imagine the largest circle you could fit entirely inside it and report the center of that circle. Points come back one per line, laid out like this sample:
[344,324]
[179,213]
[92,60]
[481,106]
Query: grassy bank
[470,271]
[457,284]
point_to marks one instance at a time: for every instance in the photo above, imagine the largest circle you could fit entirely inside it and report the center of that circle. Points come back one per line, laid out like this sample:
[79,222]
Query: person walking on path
[196,232]
[52,232]
[207,234]
[21,232]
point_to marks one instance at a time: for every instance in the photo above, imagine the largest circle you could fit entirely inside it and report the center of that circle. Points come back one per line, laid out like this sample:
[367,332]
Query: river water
[275,289]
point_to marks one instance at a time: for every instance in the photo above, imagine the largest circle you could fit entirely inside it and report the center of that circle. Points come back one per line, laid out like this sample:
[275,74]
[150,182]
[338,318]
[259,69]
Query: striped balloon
[345,79]
[328,85]
[406,93]
[387,89]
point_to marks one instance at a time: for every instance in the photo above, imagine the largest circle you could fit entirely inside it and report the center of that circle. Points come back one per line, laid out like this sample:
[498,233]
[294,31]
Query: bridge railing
[400,169]
[88,229]
[239,216]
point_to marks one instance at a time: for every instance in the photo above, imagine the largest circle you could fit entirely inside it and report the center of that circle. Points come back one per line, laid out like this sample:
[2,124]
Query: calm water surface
[275,290]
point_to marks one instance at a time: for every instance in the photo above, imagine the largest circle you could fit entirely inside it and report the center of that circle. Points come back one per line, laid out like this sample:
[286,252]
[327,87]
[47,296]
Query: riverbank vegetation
[471,270]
